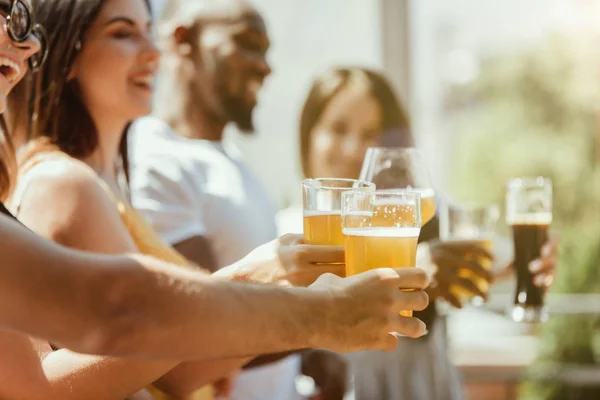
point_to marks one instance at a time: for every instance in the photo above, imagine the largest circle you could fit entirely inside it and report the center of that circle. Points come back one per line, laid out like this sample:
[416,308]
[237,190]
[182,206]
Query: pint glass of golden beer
[401,168]
[474,225]
[322,203]
[381,230]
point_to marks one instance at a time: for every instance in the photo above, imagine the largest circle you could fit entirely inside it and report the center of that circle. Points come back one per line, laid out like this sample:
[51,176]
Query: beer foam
[540,218]
[393,202]
[359,214]
[319,213]
[383,232]
[425,193]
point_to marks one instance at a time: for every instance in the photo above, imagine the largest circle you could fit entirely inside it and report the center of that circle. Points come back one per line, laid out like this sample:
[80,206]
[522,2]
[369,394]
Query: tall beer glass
[400,168]
[322,202]
[474,225]
[381,229]
[529,213]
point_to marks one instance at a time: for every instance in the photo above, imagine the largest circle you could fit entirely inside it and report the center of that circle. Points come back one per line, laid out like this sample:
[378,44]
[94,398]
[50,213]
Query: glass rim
[482,216]
[407,148]
[413,199]
[410,149]
[384,193]
[425,192]
[528,182]
[363,184]
[397,191]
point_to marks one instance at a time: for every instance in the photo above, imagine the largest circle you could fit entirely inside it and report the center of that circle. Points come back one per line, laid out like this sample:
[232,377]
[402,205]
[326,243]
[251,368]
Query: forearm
[190,376]
[142,307]
[77,376]
[38,276]
[141,395]
[206,318]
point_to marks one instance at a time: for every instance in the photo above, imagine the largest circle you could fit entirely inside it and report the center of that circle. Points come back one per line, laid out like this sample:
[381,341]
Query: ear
[75,66]
[73,71]
[181,41]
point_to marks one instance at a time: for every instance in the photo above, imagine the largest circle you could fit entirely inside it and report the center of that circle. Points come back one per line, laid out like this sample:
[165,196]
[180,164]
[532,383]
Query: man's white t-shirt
[189,187]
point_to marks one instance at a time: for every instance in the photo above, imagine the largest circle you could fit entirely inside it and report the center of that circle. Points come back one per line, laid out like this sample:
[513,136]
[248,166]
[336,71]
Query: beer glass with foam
[322,204]
[381,230]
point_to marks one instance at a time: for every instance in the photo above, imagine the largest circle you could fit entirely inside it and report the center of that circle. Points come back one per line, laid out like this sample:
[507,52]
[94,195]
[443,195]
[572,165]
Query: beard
[236,110]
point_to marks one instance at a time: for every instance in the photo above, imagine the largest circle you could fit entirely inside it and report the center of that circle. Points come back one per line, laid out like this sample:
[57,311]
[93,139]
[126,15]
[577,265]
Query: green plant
[534,112]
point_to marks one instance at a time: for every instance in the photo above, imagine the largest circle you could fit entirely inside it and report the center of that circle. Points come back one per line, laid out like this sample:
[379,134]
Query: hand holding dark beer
[453,259]
[543,268]
[529,213]
[365,308]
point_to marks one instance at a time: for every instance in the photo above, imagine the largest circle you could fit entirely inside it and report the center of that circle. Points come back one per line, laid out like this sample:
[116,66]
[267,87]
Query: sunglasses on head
[20,24]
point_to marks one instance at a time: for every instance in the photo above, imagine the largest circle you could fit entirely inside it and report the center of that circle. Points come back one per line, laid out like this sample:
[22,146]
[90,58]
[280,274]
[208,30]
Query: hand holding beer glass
[529,213]
[400,168]
[467,235]
[320,249]
[382,229]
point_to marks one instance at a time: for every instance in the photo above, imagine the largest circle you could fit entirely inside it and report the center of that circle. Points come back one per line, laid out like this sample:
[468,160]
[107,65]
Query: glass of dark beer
[529,213]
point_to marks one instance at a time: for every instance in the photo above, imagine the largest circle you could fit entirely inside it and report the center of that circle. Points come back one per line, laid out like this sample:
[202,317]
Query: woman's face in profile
[118,61]
[13,56]
[350,123]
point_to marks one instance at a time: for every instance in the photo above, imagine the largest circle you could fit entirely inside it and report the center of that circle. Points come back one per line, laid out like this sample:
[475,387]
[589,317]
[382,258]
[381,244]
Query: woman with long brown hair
[23,49]
[72,185]
[134,305]
[82,112]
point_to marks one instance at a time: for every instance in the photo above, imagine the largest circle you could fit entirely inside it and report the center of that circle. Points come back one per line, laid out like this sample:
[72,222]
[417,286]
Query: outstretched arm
[138,306]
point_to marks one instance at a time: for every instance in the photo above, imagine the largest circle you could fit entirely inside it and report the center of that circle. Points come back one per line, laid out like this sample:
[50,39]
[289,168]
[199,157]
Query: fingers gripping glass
[20,24]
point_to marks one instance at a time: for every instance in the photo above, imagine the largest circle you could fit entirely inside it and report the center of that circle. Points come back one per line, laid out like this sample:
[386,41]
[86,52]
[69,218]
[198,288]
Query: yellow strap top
[148,243]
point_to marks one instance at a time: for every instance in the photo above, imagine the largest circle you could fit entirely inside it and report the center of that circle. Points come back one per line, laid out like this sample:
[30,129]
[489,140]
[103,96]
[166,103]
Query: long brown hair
[328,84]
[15,121]
[59,115]
[7,161]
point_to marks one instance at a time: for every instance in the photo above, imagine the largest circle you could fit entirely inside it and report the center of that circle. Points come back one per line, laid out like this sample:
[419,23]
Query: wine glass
[400,168]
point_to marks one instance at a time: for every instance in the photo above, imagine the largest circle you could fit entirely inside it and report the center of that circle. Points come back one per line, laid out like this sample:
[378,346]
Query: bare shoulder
[64,185]
[56,176]
[64,199]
